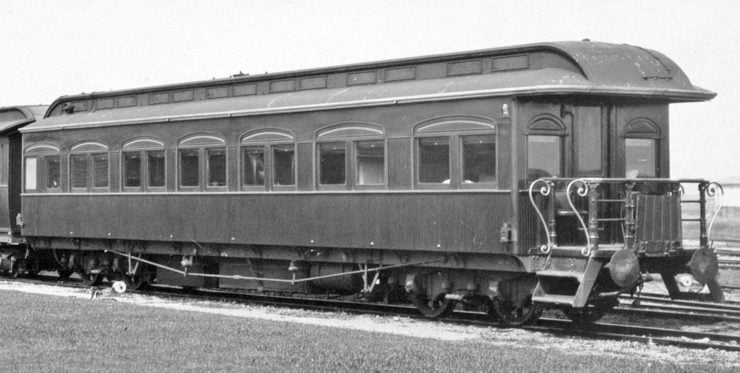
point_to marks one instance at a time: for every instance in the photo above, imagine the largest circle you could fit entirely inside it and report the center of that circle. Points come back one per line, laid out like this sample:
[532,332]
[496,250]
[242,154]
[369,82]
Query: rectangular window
[588,141]
[253,166]
[479,159]
[155,164]
[641,157]
[30,174]
[543,156]
[53,174]
[370,162]
[283,161]
[189,167]
[332,168]
[100,170]
[434,160]
[216,167]
[132,169]
[79,170]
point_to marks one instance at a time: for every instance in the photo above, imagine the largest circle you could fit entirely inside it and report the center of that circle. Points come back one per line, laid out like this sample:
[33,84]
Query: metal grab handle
[715,191]
[582,191]
[545,190]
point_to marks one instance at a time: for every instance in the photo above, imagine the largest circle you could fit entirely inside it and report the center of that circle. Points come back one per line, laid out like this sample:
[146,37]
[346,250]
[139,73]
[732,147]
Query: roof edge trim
[672,95]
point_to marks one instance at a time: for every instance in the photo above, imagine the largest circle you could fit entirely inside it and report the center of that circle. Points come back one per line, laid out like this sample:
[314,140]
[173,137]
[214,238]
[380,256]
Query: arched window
[545,147]
[642,148]
[42,168]
[267,160]
[350,155]
[89,167]
[456,152]
[144,164]
[202,162]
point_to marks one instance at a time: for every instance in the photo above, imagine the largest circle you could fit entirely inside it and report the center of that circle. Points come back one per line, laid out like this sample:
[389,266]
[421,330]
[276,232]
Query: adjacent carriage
[515,178]
[15,256]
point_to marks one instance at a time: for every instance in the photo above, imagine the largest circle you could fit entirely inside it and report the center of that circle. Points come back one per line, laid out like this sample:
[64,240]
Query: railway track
[553,325]
[658,306]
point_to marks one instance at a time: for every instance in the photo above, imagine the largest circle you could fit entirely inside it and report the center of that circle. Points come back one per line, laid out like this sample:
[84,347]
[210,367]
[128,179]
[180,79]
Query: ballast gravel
[400,326]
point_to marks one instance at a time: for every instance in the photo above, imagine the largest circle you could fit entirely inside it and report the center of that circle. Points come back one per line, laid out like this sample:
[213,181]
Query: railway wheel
[64,273]
[16,267]
[434,307]
[583,317]
[23,267]
[511,314]
[91,279]
[135,282]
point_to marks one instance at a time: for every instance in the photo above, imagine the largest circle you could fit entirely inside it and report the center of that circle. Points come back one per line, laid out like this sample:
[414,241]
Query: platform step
[554,299]
[561,274]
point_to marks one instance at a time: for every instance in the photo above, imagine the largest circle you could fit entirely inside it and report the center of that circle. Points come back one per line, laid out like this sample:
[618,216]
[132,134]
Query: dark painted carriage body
[11,120]
[511,95]
[12,244]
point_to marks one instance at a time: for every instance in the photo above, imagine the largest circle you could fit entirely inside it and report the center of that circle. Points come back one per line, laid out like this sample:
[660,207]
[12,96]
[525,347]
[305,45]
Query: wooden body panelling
[459,222]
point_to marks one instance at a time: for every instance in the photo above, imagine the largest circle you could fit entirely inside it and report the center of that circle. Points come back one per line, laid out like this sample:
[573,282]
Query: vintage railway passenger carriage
[13,251]
[519,177]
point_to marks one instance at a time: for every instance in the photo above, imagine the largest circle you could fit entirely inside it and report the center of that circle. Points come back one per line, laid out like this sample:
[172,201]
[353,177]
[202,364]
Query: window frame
[93,187]
[356,169]
[46,172]
[206,151]
[350,134]
[147,171]
[656,155]
[124,173]
[546,125]
[492,184]
[346,184]
[199,172]
[72,170]
[265,168]
[40,152]
[142,147]
[454,128]
[26,188]
[451,173]
[561,151]
[268,140]
[283,187]
[644,129]
[88,150]
[202,142]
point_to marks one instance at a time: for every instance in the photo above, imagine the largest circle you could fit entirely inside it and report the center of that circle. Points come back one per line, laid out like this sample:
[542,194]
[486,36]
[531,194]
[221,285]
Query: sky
[55,48]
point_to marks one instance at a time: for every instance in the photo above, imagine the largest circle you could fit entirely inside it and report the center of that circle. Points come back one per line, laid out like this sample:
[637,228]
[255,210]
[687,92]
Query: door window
[640,155]
[544,156]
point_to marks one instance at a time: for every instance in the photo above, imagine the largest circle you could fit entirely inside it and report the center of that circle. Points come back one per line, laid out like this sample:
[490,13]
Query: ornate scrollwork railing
[582,190]
[714,190]
[633,195]
[545,190]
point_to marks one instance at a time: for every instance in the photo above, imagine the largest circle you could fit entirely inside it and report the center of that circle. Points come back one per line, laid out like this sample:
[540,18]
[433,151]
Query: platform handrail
[582,191]
[587,187]
[714,190]
[545,190]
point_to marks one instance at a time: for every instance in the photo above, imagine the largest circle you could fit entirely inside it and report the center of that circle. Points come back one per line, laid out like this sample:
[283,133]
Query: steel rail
[658,336]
